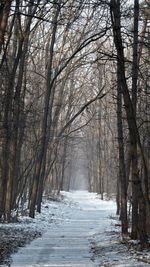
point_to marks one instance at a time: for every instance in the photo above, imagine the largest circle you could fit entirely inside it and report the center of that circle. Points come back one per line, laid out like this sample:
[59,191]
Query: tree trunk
[122,171]
[62,185]
[118,196]
[4,14]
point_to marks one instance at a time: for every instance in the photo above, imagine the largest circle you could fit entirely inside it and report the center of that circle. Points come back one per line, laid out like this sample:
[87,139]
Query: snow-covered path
[69,242]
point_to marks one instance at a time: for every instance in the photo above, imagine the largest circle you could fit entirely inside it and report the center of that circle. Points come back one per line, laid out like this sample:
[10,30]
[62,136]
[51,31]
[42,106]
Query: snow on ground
[77,231]
[14,235]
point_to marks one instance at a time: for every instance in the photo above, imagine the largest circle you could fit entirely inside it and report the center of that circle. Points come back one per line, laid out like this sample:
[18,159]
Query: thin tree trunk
[122,171]
[118,196]
[62,185]
[4,14]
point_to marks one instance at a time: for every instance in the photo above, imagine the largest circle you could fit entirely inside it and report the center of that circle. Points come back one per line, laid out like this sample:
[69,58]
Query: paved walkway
[68,243]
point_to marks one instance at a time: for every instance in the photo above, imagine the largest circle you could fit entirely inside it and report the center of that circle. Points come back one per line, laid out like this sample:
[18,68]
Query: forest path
[68,243]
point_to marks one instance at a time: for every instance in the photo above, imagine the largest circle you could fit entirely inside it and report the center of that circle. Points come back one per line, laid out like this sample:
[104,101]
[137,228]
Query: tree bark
[4,14]
[122,171]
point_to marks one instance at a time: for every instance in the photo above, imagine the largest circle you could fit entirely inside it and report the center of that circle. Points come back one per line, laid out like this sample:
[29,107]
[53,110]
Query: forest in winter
[75,105]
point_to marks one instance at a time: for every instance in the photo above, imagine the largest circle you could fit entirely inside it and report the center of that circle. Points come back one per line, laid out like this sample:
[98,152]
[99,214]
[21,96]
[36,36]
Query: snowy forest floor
[79,229]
